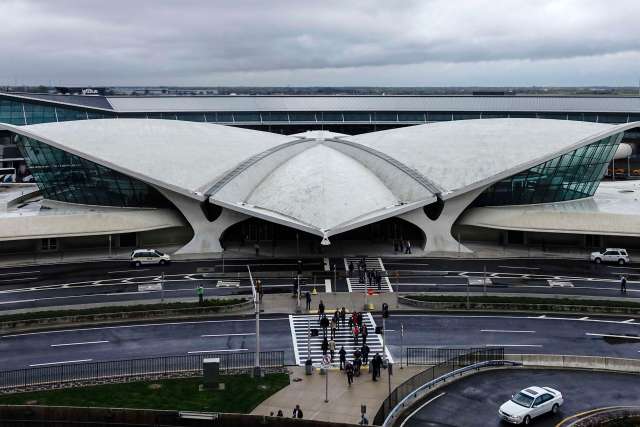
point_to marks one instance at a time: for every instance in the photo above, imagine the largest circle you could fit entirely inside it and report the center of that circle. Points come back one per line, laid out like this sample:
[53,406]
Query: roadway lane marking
[628,321]
[19,279]
[507,331]
[18,301]
[513,345]
[126,271]
[216,351]
[626,268]
[612,336]
[78,343]
[20,272]
[420,407]
[137,326]
[60,363]
[522,268]
[584,318]
[227,335]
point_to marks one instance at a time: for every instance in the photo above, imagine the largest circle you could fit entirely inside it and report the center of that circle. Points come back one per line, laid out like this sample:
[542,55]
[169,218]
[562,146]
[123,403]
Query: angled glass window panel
[304,116]
[211,116]
[276,116]
[523,115]
[191,117]
[385,116]
[612,118]
[356,116]
[169,116]
[439,116]
[223,117]
[408,116]
[555,116]
[134,115]
[331,116]
[465,116]
[575,116]
[590,117]
[154,116]
[492,115]
[246,116]
[66,114]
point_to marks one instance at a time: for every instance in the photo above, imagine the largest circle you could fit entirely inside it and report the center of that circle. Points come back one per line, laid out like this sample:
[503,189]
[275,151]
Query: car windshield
[158,252]
[522,399]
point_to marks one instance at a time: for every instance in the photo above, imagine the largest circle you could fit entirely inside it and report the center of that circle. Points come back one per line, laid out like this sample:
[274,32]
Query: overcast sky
[320,43]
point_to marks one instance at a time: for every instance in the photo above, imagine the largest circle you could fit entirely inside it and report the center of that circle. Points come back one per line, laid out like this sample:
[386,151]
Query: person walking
[374,367]
[332,349]
[343,316]
[356,333]
[343,357]
[333,328]
[408,250]
[365,353]
[336,318]
[357,362]
[623,285]
[379,281]
[324,324]
[365,333]
[350,269]
[359,320]
[307,297]
[297,412]
[401,246]
[324,346]
[200,293]
[280,414]
[349,369]
[260,290]
[320,309]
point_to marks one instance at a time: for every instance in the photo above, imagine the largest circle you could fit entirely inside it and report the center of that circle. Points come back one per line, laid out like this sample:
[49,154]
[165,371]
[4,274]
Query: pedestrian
[320,309]
[256,246]
[324,346]
[200,293]
[297,412]
[357,362]
[343,357]
[332,349]
[374,367]
[365,353]
[356,333]
[401,246]
[307,297]
[324,324]
[350,269]
[378,364]
[336,317]
[408,250]
[280,414]
[260,289]
[395,245]
[623,285]
[365,333]
[364,421]
[359,317]
[349,369]
[333,328]
[343,315]
[370,277]
[379,281]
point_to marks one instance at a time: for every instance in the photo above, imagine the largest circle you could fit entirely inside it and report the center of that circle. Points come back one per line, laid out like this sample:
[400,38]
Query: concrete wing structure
[320,182]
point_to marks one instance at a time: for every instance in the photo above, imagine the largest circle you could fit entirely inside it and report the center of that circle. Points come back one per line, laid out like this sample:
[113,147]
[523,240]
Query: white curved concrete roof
[320,182]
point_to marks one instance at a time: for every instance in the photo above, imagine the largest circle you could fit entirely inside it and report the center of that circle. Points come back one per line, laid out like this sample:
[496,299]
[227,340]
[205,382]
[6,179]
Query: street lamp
[257,372]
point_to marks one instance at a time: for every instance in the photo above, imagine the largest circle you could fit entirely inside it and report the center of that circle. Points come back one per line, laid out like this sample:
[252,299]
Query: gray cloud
[321,42]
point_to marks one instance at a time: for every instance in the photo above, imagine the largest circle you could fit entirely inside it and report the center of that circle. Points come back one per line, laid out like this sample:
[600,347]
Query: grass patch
[119,309]
[522,301]
[242,394]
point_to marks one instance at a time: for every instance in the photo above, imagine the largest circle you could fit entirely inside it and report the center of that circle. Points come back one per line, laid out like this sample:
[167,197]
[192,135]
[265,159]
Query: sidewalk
[344,401]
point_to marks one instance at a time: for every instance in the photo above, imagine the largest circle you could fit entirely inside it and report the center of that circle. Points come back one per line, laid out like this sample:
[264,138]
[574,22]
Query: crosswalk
[372,264]
[303,347]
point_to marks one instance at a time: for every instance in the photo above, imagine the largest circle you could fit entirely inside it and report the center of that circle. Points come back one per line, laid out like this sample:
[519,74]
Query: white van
[149,256]
[617,255]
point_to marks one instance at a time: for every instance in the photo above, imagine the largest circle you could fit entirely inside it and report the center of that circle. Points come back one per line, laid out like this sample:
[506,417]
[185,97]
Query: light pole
[257,372]
[401,343]
[162,288]
[484,279]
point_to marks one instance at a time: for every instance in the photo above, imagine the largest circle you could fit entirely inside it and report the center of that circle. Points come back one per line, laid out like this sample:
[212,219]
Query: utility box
[211,372]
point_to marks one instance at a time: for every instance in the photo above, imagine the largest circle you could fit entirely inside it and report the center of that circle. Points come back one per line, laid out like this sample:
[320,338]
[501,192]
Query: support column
[206,234]
[437,232]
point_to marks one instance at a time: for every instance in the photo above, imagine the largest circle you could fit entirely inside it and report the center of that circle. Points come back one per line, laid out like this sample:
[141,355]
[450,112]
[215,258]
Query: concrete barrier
[14,326]
[600,363]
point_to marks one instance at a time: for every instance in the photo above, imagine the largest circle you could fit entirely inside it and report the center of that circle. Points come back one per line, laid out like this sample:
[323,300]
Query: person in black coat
[365,353]
[297,412]
[324,324]
[343,357]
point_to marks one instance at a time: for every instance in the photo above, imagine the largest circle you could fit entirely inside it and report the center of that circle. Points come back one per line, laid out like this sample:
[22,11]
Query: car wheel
[620,261]
[138,264]
[526,421]
[554,408]
[597,260]
[162,262]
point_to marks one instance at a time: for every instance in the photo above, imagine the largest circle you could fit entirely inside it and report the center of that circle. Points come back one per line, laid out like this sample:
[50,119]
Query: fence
[465,357]
[84,372]
[433,356]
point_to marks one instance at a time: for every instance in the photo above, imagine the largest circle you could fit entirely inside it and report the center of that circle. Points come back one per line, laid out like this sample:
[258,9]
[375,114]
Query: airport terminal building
[440,171]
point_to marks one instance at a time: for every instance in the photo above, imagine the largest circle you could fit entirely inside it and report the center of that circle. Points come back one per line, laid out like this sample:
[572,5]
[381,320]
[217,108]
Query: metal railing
[436,355]
[92,371]
[465,357]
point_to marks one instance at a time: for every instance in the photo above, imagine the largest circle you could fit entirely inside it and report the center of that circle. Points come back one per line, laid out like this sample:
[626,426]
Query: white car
[149,256]
[530,403]
[611,255]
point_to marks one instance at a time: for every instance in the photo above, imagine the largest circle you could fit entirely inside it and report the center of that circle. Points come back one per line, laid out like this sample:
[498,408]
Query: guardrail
[139,368]
[435,373]
[435,355]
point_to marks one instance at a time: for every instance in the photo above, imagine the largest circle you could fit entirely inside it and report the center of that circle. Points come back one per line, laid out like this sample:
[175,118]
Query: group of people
[297,413]
[402,246]
[373,277]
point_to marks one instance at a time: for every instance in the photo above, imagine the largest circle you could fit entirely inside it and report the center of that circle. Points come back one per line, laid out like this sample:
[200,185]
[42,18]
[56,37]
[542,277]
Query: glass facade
[573,175]
[68,178]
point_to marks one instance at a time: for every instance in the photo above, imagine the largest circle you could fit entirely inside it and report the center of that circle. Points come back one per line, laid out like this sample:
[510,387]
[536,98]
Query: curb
[81,320]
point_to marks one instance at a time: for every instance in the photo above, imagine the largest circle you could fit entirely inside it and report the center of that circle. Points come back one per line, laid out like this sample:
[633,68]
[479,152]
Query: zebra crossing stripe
[371,263]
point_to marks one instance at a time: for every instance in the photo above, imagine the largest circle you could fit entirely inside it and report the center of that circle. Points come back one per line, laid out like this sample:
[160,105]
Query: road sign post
[326,364]
[257,372]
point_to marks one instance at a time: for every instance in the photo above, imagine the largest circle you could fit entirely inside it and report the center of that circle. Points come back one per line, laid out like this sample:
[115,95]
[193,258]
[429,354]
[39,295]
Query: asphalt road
[47,286]
[518,334]
[474,401]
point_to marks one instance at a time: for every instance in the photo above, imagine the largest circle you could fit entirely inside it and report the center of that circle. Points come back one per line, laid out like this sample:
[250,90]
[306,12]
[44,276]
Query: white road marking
[127,271]
[18,301]
[60,363]
[217,351]
[542,316]
[420,407]
[507,331]
[20,272]
[626,268]
[513,345]
[522,268]
[227,335]
[584,318]
[611,336]
[137,326]
[628,321]
[19,279]
[78,343]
